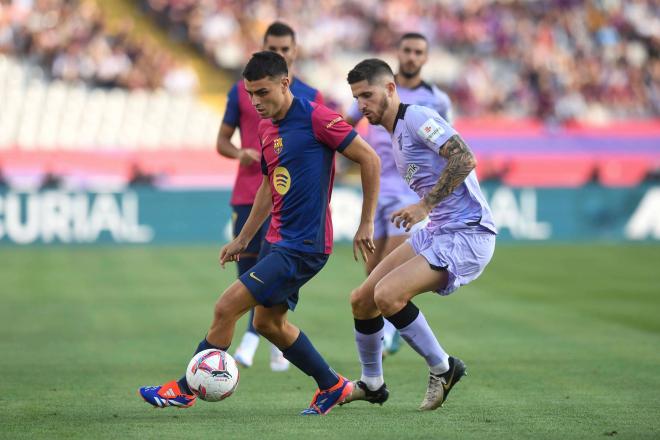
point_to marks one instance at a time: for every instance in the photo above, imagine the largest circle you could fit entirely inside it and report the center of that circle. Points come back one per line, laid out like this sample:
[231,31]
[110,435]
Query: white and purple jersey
[419,134]
[424,94]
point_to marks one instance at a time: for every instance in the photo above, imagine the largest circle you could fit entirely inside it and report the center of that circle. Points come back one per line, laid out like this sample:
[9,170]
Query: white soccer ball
[212,375]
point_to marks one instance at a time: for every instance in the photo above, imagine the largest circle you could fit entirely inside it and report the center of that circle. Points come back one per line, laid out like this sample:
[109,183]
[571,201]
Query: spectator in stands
[558,60]
[71,41]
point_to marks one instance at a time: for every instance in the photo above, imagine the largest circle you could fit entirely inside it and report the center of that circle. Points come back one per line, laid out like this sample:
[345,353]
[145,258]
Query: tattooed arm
[460,161]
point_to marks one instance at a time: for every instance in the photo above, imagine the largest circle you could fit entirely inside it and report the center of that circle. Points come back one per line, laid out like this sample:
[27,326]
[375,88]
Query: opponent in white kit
[452,250]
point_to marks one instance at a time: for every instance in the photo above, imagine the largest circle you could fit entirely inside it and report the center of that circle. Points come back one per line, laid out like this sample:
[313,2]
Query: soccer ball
[212,375]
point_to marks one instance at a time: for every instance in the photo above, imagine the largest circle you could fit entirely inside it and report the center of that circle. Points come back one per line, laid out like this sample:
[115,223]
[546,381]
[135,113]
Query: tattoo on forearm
[460,161]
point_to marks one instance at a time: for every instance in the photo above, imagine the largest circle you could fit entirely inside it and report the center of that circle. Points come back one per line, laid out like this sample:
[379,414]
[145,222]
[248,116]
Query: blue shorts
[258,246]
[279,275]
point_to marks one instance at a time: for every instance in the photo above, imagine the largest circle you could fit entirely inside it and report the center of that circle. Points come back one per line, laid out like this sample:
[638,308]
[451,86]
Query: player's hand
[410,215]
[247,156]
[364,241]
[231,251]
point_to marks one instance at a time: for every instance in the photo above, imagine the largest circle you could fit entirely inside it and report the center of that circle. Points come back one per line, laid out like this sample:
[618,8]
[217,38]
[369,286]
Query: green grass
[560,341]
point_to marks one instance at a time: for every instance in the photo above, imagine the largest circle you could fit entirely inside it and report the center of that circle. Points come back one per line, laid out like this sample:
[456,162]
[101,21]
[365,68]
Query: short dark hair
[265,64]
[369,70]
[412,36]
[279,29]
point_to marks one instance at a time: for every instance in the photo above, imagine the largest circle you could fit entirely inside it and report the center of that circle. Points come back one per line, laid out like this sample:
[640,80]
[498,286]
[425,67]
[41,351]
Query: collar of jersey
[295,100]
[400,114]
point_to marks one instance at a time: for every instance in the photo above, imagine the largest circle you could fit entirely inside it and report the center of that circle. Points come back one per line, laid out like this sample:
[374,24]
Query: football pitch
[560,341]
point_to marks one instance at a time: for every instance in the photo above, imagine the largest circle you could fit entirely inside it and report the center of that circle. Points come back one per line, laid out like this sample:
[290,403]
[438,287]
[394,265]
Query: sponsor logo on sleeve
[333,122]
[430,130]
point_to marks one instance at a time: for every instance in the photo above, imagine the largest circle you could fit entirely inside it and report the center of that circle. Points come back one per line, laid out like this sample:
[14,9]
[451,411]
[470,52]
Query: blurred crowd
[557,60]
[71,41]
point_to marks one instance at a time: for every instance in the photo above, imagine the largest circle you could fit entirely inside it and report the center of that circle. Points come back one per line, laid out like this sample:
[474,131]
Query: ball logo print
[281,180]
[203,365]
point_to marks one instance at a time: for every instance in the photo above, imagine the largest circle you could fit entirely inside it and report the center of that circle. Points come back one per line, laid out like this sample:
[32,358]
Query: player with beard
[451,251]
[412,54]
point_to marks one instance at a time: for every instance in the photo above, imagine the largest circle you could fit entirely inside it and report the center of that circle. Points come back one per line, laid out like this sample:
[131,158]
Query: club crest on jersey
[430,130]
[278,145]
[412,169]
[281,180]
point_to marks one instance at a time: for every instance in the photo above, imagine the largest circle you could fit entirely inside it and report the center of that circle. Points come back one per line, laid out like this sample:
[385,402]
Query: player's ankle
[441,368]
[183,386]
[373,382]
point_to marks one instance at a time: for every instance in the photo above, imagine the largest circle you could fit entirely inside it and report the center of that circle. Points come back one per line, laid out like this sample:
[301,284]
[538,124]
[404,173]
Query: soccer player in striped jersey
[240,113]
[298,140]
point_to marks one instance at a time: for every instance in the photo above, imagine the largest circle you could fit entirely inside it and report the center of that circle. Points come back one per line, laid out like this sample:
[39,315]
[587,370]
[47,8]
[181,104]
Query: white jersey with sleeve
[419,134]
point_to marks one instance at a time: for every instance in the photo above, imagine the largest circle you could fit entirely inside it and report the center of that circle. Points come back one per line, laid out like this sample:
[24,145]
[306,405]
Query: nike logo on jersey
[254,277]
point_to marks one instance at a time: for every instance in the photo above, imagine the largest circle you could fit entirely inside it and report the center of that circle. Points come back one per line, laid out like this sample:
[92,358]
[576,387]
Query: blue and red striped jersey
[298,156]
[241,113]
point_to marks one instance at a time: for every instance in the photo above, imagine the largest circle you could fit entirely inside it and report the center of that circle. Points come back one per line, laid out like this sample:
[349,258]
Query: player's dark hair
[279,29]
[412,36]
[265,64]
[369,70]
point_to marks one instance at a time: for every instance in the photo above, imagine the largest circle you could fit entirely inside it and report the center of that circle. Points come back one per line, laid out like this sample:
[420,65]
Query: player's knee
[361,301]
[266,328]
[219,312]
[385,299]
[225,309]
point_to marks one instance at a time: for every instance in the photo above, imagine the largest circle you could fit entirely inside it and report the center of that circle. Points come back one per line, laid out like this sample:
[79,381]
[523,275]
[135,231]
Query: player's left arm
[361,153]
[460,162]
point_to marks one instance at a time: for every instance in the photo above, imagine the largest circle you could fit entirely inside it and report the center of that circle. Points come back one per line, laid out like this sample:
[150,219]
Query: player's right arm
[230,121]
[261,208]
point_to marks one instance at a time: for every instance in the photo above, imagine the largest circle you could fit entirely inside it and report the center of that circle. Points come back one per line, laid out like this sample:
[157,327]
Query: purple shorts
[464,251]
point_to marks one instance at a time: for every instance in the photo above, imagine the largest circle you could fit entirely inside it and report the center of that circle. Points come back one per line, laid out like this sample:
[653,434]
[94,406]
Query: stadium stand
[556,60]
[86,133]
[71,41]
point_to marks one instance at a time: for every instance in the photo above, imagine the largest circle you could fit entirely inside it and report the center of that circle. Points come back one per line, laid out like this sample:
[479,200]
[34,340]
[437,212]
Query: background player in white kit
[452,250]
[412,55]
